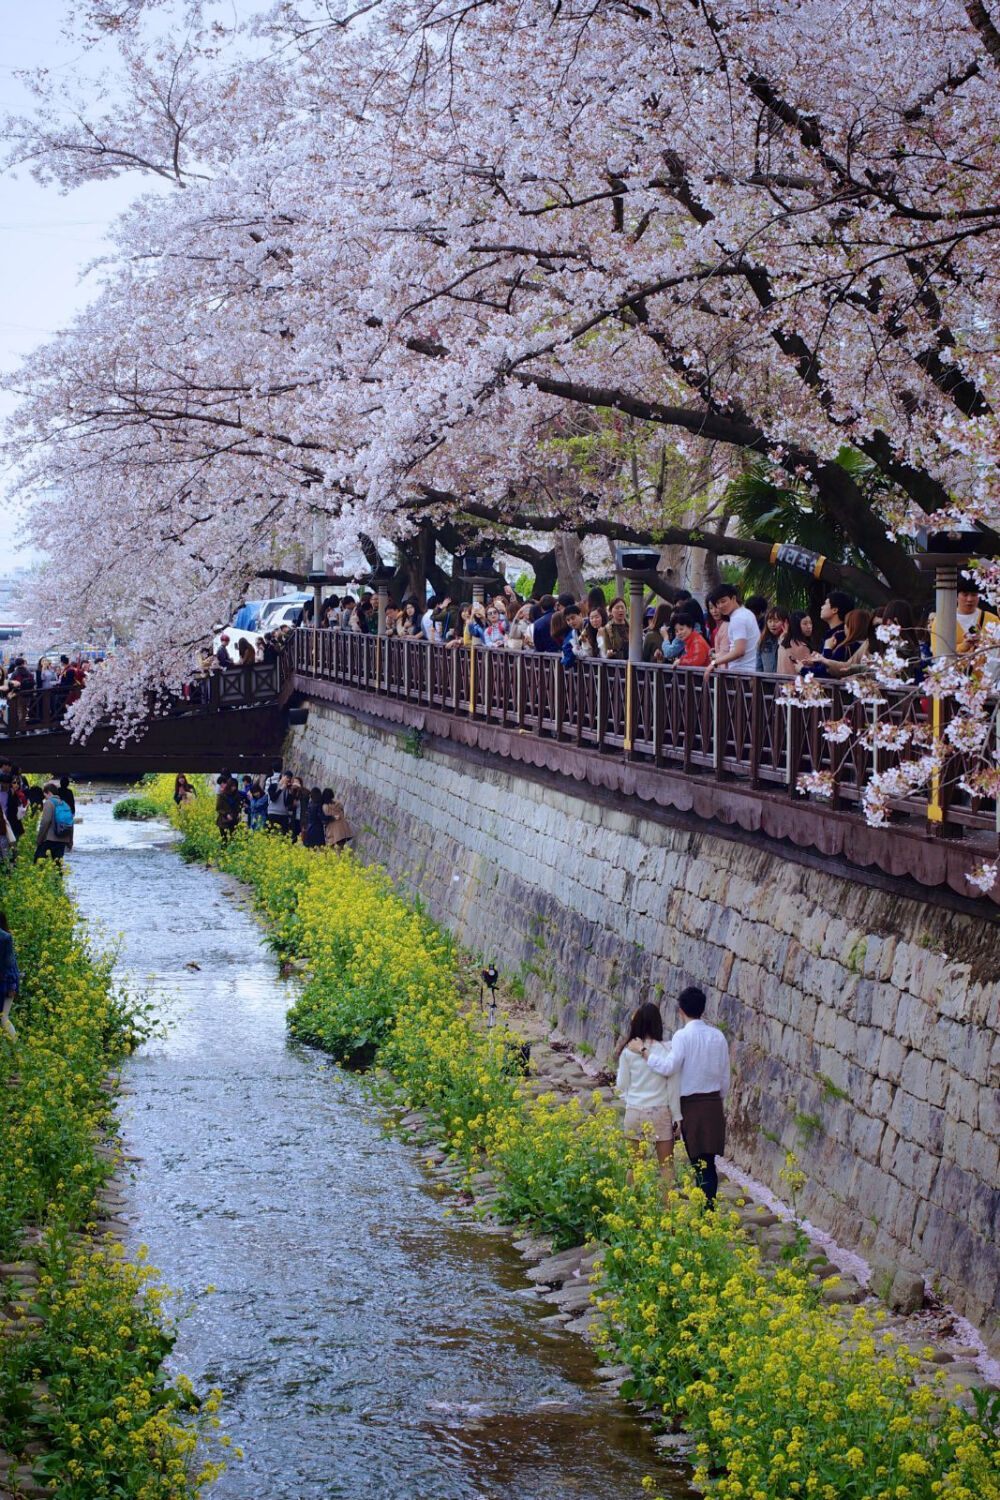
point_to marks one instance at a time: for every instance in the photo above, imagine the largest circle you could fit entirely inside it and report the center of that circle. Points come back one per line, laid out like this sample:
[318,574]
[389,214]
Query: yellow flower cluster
[747,1357]
[84,1381]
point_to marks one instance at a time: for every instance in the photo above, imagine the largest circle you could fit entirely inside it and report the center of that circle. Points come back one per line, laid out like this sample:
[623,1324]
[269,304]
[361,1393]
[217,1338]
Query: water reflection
[365,1343]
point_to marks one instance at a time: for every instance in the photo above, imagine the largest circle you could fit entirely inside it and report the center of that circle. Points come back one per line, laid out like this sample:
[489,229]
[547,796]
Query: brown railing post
[756,720]
[718,739]
[602,703]
[659,714]
[690,711]
[520,690]
[487,675]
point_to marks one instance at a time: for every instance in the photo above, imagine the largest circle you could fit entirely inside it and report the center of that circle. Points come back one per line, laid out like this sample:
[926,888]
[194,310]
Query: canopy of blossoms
[407,239]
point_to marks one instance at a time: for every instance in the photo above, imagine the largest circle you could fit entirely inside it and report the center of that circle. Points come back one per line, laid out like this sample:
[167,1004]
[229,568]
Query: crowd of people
[725,634]
[20,685]
[280,801]
[236,650]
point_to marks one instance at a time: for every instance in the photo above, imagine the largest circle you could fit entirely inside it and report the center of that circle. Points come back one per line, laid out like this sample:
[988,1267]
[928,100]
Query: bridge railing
[734,727]
[41,710]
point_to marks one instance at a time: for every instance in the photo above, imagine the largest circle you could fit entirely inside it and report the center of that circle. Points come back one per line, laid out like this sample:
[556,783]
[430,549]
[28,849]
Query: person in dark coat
[227,808]
[10,978]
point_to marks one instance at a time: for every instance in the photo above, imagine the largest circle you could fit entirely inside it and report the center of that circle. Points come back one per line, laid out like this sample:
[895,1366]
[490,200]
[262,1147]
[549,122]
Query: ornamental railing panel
[735,727]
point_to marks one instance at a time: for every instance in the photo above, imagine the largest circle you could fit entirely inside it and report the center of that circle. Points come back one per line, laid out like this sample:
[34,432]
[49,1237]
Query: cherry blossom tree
[409,238]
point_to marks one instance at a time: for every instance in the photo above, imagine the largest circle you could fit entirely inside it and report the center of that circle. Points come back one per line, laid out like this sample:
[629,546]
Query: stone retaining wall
[865,1027]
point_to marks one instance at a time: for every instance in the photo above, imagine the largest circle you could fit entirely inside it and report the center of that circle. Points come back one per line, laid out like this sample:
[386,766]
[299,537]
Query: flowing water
[365,1343]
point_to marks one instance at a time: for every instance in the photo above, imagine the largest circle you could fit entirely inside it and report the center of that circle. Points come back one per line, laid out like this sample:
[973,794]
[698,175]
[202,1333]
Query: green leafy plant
[136,809]
[830,1089]
[110,1423]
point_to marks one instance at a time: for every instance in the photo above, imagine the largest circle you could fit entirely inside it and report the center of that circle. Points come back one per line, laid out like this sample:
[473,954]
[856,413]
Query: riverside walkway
[725,749]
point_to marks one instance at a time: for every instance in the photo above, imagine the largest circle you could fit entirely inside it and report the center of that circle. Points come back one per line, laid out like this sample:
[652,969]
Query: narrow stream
[365,1343]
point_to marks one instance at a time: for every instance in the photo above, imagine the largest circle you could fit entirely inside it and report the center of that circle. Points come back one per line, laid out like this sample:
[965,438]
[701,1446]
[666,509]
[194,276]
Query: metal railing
[730,726]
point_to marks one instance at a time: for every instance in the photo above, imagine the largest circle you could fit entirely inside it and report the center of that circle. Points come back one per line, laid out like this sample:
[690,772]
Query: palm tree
[765,505]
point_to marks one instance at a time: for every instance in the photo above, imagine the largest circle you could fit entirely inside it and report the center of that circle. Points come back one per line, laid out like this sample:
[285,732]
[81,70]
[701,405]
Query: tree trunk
[569,561]
[546,574]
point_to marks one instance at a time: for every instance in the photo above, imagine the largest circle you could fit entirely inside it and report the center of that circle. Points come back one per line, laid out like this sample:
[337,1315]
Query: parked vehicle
[286,610]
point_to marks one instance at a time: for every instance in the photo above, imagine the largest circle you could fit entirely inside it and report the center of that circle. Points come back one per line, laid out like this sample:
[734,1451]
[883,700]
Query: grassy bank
[782,1395]
[83,1329]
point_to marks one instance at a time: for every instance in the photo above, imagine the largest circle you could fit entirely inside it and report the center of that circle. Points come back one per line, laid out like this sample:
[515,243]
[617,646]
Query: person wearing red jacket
[696,652]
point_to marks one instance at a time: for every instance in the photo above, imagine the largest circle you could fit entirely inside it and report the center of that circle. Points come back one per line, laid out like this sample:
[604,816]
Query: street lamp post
[944,554]
[478,570]
[635,564]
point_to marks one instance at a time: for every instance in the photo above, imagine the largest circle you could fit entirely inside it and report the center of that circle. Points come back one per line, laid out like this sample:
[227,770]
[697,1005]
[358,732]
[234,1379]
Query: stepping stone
[557,1268]
[846,1291]
[585,1325]
[675,1442]
[572,1299]
[759,1218]
[533,1247]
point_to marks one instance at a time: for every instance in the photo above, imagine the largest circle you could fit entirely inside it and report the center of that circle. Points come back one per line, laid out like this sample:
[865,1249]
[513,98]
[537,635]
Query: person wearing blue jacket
[10,978]
[574,619]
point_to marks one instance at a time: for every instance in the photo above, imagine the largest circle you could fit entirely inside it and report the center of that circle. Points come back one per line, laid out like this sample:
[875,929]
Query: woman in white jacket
[650,1103]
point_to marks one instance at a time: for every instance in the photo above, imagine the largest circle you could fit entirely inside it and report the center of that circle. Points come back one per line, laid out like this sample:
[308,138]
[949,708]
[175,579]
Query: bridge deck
[234,721]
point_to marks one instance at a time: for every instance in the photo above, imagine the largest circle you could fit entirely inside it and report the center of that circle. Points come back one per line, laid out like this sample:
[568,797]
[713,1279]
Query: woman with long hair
[183,790]
[798,644]
[658,634]
[650,1108]
[314,822]
[588,643]
[408,620]
[856,644]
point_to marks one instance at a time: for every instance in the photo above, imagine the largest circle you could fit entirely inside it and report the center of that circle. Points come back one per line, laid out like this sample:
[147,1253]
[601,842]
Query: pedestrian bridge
[235,720]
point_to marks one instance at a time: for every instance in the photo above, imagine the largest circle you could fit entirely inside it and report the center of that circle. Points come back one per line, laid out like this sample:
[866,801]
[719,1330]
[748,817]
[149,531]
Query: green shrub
[136,809]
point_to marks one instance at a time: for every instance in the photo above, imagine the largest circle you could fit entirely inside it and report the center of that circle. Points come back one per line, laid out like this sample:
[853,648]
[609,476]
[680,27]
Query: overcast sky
[46,238]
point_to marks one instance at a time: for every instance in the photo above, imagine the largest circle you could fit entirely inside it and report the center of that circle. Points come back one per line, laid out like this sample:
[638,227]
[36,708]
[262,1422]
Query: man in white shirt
[699,1053]
[744,632]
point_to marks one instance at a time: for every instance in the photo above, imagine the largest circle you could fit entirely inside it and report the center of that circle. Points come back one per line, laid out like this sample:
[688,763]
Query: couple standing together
[689,1076]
